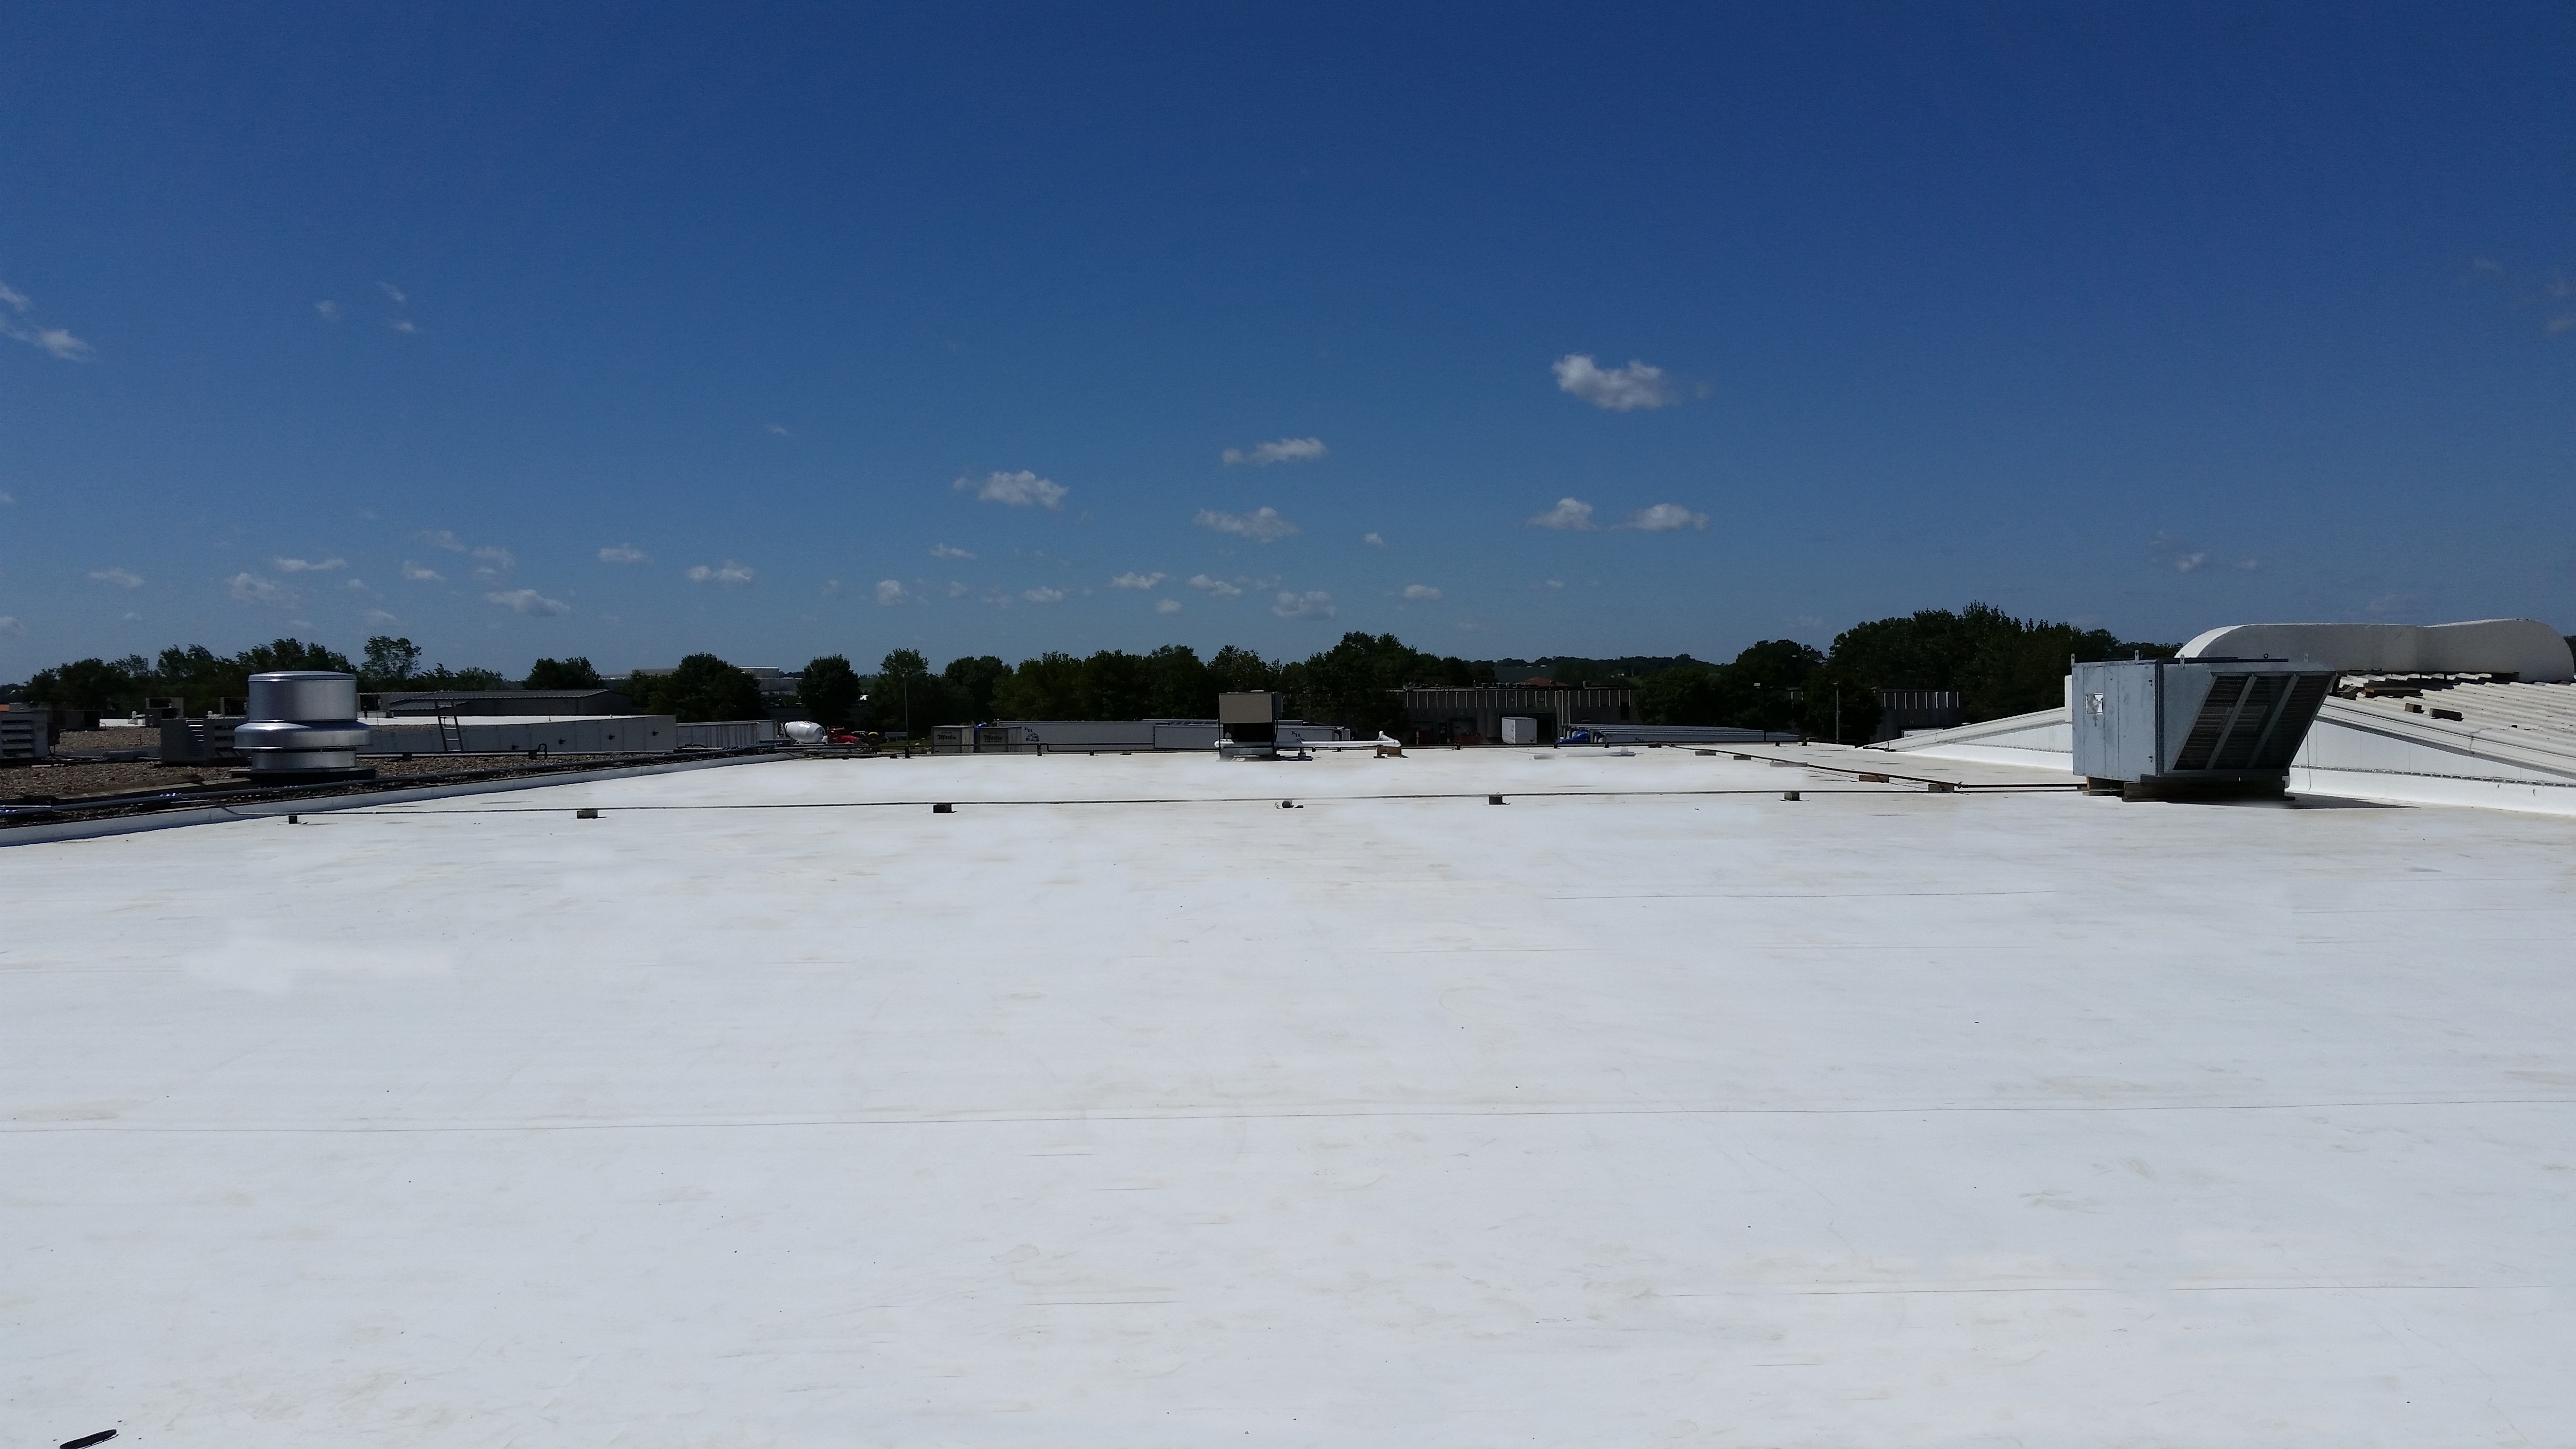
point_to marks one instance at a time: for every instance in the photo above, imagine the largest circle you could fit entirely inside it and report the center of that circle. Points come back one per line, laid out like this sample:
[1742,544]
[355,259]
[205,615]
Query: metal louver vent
[2215,714]
[2252,721]
[2281,741]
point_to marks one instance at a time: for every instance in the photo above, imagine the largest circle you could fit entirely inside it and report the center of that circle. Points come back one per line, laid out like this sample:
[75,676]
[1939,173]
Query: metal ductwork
[2165,727]
[303,725]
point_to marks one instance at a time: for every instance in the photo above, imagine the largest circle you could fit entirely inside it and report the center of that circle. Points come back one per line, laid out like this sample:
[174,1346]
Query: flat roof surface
[757,1113]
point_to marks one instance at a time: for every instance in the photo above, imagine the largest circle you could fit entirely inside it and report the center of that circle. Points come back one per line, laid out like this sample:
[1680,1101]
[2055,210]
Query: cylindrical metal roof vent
[303,725]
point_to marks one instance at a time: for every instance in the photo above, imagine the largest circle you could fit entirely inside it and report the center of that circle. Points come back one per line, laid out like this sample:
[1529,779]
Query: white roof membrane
[758,1112]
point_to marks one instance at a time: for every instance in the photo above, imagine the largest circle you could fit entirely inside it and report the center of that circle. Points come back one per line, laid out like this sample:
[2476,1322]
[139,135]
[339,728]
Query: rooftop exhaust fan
[2163,728]
[303,726]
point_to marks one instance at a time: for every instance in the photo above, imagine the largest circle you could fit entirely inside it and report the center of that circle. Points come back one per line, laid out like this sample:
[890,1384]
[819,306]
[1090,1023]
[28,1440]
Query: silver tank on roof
[301,721]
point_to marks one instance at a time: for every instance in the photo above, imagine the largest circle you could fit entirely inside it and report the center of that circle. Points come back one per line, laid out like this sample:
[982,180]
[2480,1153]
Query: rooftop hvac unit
[2164,727]
[1249,716]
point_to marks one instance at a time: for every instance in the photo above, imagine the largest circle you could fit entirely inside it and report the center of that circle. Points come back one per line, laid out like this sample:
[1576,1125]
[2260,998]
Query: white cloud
[1665,517]
[497,557]
[422,573]
[1023,489]
[50,339]
[1314,604]
[942,550]
[1551,583]
[122,578]
[1262,525]
[9,625]
[308,566]
[1617,389]
[624,553]
[392,293]
[1373,540]
[252,589]
[1421,592]
[1569,513]
[1216,588]
[2250,565]
[1167,606]
[528,601]
[380,618]
[778,429]
[727,572]
[6,499]
[958,590]
[1137,581]
[357,586]
[890,592]
[404,325]
[441,538]
[1286,450]
[2167,551]
[1043,596]
[330,310]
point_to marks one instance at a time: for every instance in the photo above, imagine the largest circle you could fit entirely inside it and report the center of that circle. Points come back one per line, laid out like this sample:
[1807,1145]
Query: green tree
[1051,686]
[829,691]
[2000,665]
[905,694]
[1354,683]
[2025,670]
[703,688]
[969,685]
[1762,678]
[1234,670]
[90,686]
[1177,685]
[1694,694]
[573,673]
[389,664]
[293,654]
[1834,708]
[200,676]
[1116,685]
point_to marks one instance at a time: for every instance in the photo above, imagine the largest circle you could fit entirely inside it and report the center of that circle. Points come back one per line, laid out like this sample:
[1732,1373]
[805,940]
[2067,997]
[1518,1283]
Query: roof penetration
[1117,1104]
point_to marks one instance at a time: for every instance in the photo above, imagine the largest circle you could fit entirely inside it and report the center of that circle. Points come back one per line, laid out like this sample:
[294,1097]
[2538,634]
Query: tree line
[2000,664]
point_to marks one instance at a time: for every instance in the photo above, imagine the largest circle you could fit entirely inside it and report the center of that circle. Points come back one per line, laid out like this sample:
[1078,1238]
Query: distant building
[1099,736]
[1474,715]
[1918,709]
[573,702]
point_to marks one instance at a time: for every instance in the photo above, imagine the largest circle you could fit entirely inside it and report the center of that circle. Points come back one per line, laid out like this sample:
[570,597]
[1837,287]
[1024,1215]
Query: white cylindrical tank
[302,723]
[804,731]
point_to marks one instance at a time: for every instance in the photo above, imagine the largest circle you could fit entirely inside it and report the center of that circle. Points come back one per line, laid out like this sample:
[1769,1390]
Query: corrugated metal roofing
[2538,713]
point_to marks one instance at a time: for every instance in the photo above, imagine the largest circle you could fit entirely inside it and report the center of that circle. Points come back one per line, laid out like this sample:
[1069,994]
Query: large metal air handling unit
[303,726]
[2160,728]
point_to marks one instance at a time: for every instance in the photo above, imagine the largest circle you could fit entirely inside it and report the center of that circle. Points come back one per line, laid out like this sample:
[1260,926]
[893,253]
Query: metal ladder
[451,731]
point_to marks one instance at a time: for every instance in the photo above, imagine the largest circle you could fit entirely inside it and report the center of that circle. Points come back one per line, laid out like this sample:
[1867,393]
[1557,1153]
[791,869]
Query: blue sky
[631,331]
